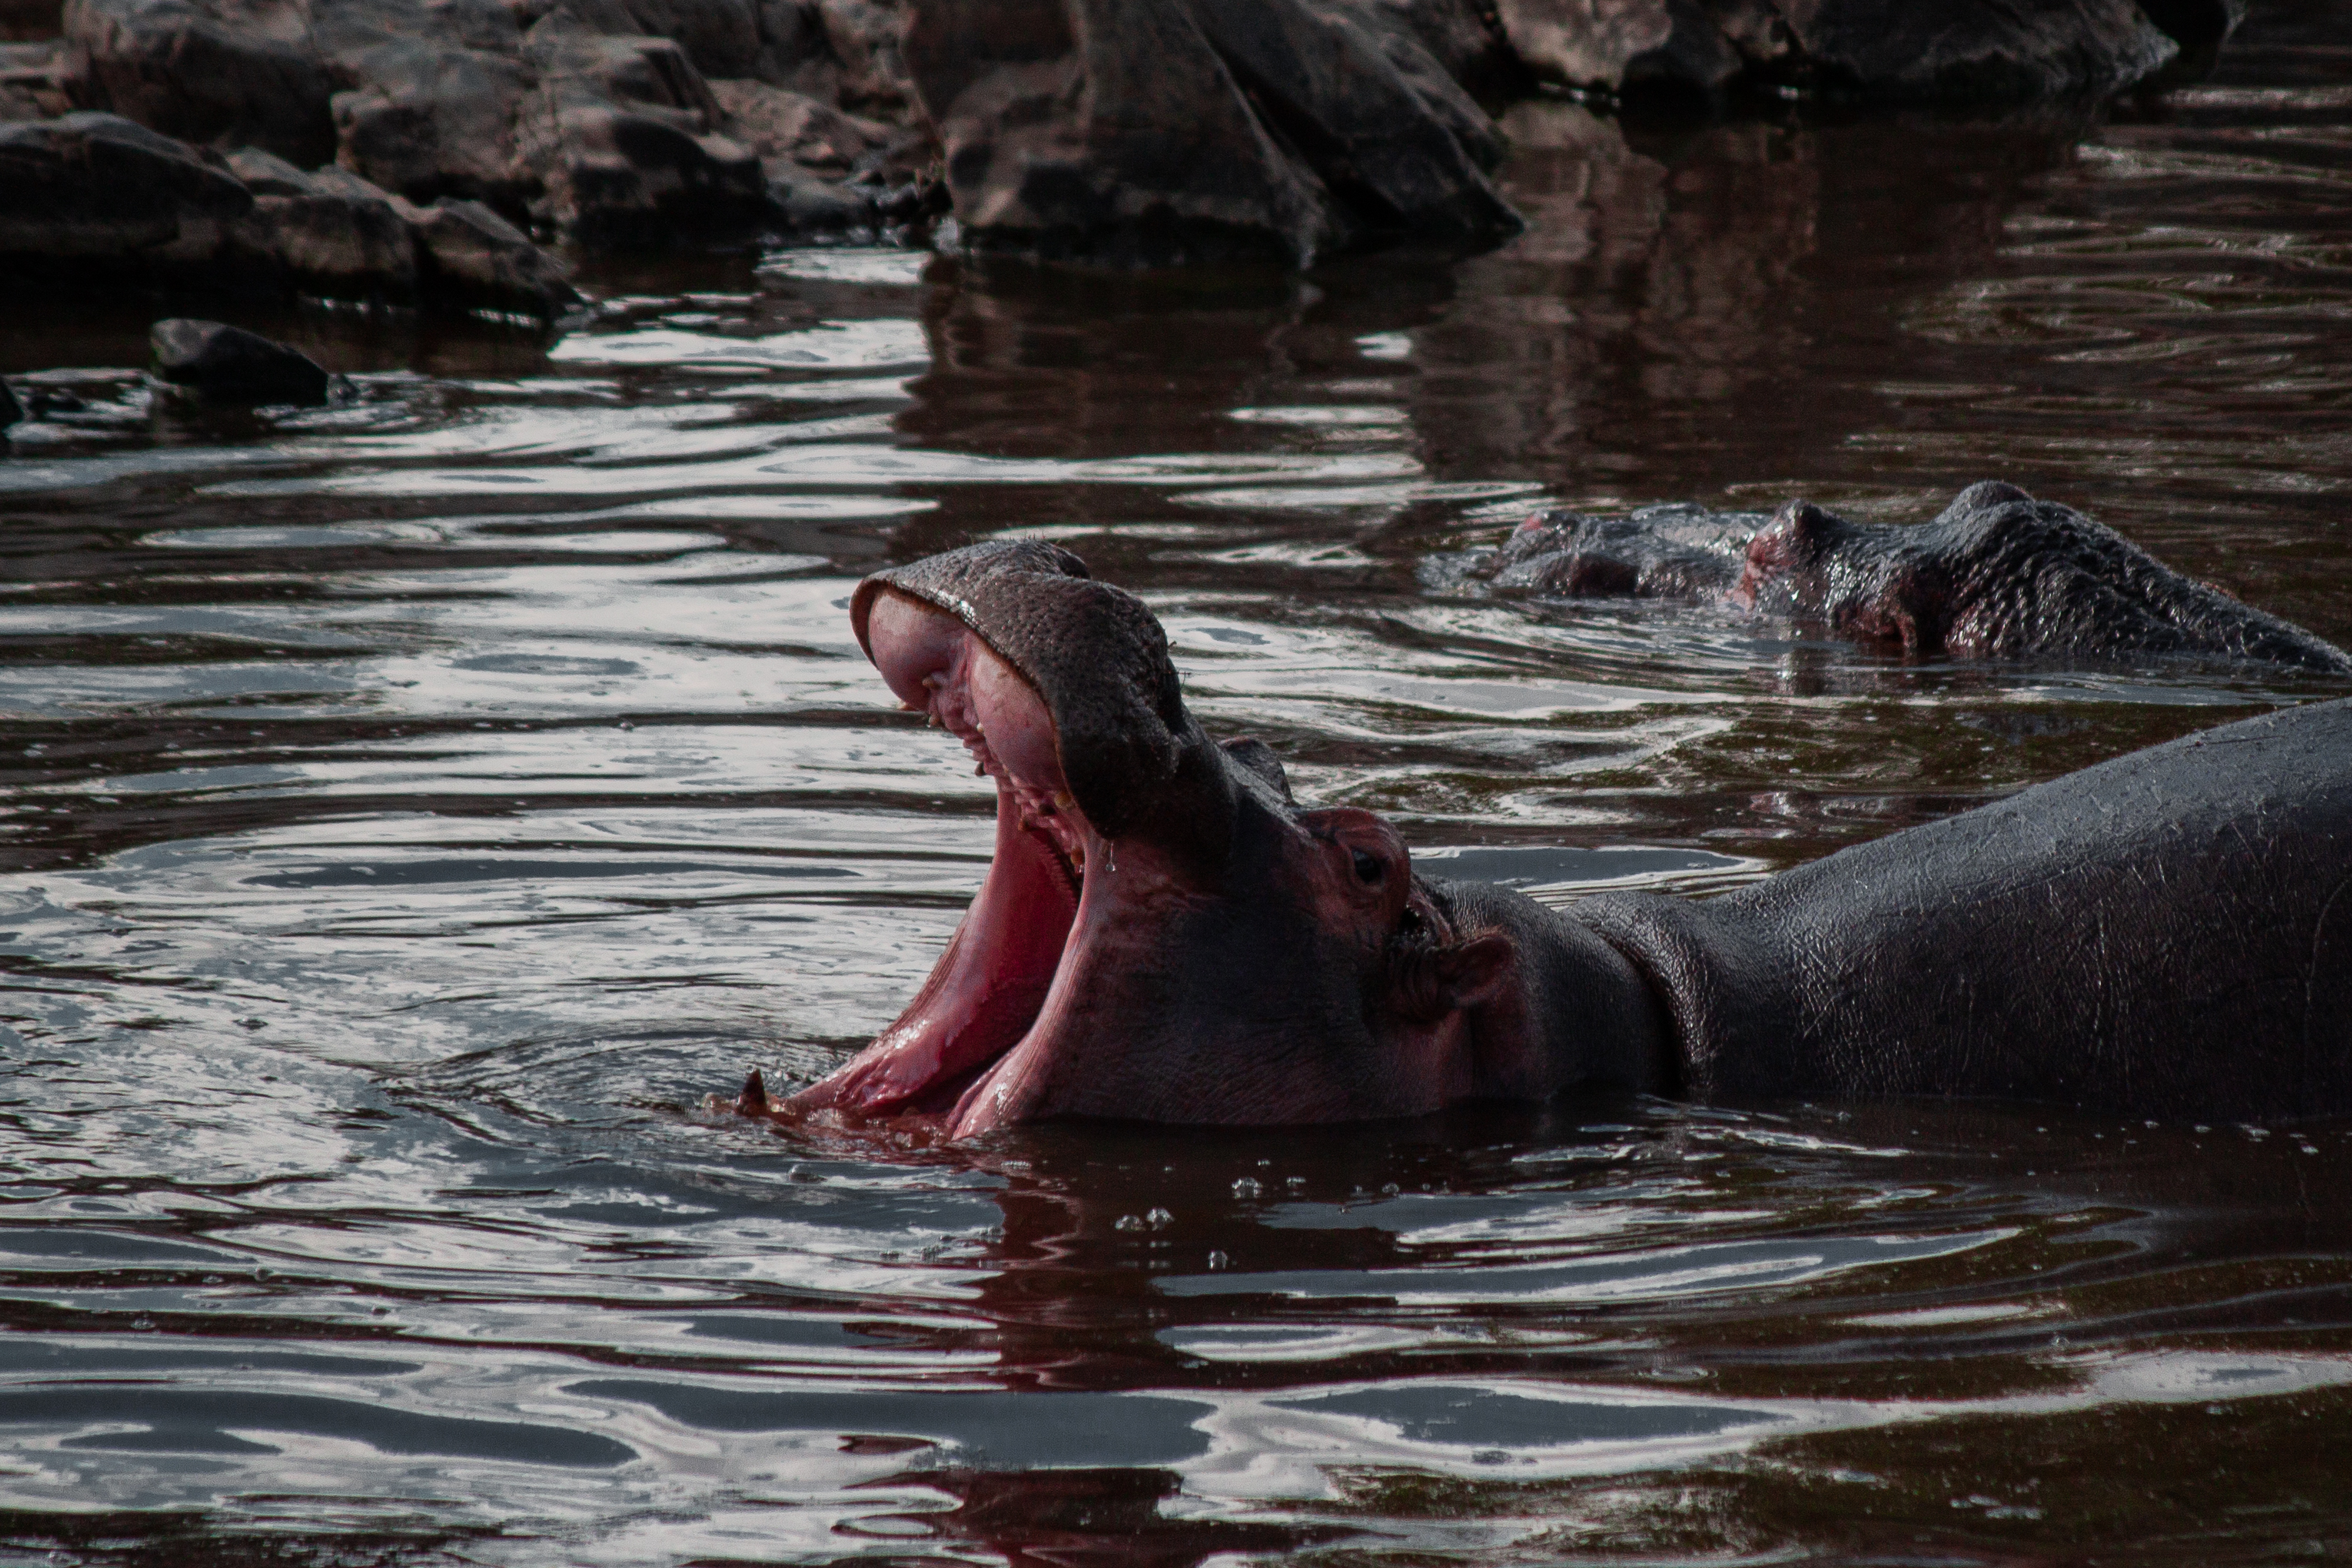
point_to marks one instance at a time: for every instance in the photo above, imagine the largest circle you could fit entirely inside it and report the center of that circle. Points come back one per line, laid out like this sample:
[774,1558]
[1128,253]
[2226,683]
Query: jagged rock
[840,51]
[809,205]
[333,232]
[469,255]
[1157,134]
[1091,129]
[1608,43]
[808,149]
[1403,150]
[720,37]
[1186,128]
[228,73]
[232,365]
[1460,37]
[581,120]
[268,174]
[436,97]
[777,122]
[92,196]
[94,190]
[31,83]
[633,180]
[1948,51]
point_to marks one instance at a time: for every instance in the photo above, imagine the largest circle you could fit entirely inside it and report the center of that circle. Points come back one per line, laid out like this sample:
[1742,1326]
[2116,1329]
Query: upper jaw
[1131,757]
[1061,689]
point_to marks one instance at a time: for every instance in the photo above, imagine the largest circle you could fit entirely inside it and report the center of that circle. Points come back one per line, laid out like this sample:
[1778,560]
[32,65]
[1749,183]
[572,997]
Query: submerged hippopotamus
[1998,574]
[1166,935]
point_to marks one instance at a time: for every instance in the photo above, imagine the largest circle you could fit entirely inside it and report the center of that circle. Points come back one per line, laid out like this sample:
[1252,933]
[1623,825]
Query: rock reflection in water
[1683,315]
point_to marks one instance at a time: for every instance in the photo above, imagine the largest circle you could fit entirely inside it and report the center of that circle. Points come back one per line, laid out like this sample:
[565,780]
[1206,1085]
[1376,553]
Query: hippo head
[1163,934]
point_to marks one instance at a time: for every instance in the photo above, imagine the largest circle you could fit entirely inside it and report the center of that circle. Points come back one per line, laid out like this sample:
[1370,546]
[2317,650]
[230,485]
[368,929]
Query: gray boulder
[332,233]
[232,365]
[225,73]
[1917,51]
[844,52]
[433,99]
[1460,37]
[96,192]
[1154,135]
[721,37]
[630,153]
[32,85]
[1404,149]
[93,197]
[776,123]
[268,174]
[468,255]
[577,115]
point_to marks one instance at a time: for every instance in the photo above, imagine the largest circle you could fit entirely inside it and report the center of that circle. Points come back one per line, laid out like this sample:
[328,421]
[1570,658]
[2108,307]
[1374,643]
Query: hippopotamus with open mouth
[1998,574]
[1166,935]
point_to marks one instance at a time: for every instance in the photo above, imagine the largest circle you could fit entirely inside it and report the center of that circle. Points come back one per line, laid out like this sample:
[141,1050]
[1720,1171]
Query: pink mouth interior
[991,983]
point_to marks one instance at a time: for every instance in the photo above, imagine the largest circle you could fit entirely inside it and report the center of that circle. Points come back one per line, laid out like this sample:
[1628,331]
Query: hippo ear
[1428,980]
[1258,757]
[1472,969]
[1983,496]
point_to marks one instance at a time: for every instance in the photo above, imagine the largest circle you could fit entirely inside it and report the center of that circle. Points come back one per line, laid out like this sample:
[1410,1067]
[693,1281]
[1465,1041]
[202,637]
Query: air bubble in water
[1159,1218]
[1246,1187]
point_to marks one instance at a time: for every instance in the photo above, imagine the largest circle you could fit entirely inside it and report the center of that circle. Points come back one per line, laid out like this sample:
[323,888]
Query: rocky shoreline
[426,153]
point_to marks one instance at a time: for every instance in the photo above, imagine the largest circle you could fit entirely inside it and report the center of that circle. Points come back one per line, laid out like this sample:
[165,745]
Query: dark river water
[414,808]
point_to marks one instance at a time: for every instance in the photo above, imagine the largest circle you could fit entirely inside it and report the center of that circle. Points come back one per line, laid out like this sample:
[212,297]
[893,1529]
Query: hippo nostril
[1369,868]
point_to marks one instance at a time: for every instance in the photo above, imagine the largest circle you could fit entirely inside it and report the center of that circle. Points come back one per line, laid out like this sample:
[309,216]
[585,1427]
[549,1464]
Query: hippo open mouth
[1163,934]
[987,991]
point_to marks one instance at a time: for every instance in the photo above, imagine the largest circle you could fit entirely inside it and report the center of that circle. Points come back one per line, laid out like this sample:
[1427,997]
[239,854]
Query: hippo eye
[1368,867]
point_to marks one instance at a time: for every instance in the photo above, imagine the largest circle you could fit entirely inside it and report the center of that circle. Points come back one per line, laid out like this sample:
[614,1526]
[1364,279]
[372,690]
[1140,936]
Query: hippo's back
[2166,934]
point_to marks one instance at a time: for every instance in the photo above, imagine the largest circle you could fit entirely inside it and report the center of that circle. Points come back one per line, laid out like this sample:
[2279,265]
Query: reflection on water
[414,809]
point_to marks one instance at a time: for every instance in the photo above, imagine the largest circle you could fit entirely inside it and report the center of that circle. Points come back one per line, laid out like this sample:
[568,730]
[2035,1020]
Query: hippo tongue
[1136,762]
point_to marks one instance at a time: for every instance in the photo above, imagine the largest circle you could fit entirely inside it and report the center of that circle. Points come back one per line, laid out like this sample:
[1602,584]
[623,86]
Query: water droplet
[1388,1189]
[1247,1188]
[1127,1221]
[142,1322]
[1217,1259]
[1159,1218]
